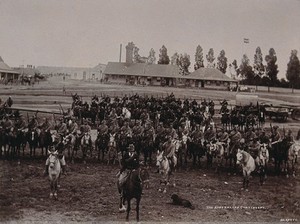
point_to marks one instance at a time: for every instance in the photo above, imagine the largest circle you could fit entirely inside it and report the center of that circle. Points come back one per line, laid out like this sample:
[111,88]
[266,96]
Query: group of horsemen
[162,133]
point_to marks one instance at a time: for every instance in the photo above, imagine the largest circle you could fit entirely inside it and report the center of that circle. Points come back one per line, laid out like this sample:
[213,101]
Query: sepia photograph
[149,111]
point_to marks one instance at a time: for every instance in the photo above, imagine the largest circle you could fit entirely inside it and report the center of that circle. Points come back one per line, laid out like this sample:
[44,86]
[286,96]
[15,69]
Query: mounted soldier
[59,150]
[275,135]
[33,124]
[7,125]
[148,142]
[61,128]
[169,151]
[210,135]
[72,126]
[223,137]
[129,162]
[253,149]
[249,135]
[197,135]
[21,124]
[137,135]
[45,126]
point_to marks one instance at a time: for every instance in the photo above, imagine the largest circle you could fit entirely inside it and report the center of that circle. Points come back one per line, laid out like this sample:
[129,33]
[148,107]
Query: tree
[222,62]
[163,56]
[210,58]
[246,70]
[293,70]
[258,67]
[272,68]
[175,59]
[199,58]
[151,57]
[184,64]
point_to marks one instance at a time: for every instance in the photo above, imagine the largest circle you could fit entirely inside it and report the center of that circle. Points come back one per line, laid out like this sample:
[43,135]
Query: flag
[246,40]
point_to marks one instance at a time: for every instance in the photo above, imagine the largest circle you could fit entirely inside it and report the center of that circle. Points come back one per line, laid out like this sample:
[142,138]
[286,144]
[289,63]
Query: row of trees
[256,74]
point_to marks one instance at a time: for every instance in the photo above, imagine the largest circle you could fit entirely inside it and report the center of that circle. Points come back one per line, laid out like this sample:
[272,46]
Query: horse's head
[240,157]
[53,158]
[159,158]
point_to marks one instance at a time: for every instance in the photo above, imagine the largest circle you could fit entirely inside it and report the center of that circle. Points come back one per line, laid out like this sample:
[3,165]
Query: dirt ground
[88,192]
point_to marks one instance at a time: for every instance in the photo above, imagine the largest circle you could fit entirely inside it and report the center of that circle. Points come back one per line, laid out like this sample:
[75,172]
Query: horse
[32,139]
[164,168]
[126,113]
[101,145]
[215,150]
[279,152]
[133,188]
[86,144]
[69,142]
[54,173]
[248,165]
[148,147]
[225,121]
[113,154]
[197,150]
[292,159]
[182,152]
[45,141]
[262,162]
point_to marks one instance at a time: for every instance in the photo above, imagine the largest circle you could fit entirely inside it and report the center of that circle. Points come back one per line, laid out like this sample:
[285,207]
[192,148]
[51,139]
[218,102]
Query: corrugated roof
[159,70]
[142,69]
[5,68]
[211,74]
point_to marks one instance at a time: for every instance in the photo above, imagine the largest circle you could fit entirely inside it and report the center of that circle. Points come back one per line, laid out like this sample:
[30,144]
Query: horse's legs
[138,209]
[128,209]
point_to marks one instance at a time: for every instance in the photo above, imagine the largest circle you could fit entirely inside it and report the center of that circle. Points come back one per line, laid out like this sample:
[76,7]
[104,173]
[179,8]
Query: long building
[7,74]
[162,75]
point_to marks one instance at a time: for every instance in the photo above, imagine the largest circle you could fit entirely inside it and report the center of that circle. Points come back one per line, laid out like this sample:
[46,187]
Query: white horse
[54,173]
[164,167]
[293,158]
[248,165]
[126,113]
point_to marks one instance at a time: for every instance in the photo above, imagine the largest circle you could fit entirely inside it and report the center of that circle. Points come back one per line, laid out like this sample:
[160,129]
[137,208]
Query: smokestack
[120,53]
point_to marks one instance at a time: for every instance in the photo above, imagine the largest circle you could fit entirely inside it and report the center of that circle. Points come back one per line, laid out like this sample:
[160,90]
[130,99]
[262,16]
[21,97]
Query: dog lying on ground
[180,201]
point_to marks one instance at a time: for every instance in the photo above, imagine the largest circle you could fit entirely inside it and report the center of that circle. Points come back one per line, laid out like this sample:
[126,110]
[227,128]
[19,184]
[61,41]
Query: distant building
[30,71]
[163,75]
[7,74]
[78,73]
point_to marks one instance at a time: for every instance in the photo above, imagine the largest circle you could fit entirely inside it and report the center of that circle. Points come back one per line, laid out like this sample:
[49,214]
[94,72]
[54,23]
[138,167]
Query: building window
[158,79]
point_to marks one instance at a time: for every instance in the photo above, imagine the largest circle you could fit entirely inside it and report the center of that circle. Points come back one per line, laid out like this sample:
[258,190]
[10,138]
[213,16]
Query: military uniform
[130,161]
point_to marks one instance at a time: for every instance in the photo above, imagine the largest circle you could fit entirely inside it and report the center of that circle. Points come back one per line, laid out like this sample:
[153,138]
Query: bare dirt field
[88,193]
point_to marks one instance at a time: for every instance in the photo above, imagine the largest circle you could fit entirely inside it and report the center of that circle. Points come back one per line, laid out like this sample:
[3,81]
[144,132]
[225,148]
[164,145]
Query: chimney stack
[129,53]
[120,53]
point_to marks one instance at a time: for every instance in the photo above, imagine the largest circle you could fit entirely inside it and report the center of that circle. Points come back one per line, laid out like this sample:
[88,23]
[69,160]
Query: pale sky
[83,33]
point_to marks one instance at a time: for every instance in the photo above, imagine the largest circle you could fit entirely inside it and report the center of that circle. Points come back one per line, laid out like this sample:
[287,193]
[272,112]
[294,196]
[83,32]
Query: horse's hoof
[159,190]
[165,191]
[174,185]
[51,195]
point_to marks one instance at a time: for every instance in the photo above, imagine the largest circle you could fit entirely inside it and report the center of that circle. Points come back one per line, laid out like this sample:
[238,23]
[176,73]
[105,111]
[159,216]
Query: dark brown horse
[133,188]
